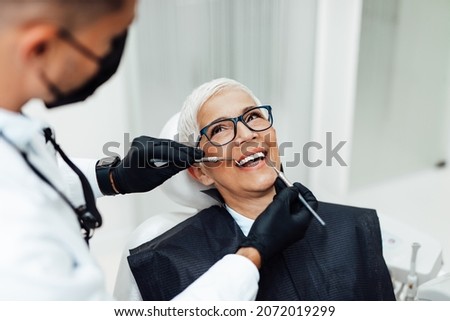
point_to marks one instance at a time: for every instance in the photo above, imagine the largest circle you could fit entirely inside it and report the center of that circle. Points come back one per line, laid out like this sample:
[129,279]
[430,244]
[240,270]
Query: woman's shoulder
[346,212]
[346,219]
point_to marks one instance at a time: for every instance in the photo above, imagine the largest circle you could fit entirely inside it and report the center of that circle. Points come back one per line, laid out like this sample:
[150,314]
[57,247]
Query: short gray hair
[188,128]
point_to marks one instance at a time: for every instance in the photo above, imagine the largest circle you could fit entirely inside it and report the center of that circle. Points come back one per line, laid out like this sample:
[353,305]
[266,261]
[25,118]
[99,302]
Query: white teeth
[251,158]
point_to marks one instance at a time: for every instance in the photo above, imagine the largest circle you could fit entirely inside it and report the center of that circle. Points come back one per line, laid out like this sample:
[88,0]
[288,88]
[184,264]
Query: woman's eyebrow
[242,112]
[248,108]
[219,119]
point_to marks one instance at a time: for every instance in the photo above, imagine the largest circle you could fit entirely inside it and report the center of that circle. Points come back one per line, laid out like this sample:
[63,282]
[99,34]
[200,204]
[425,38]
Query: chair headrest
[182,188]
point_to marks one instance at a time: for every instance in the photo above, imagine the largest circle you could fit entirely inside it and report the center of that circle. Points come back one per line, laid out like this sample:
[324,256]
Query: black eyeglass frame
[235,120]
[75,43]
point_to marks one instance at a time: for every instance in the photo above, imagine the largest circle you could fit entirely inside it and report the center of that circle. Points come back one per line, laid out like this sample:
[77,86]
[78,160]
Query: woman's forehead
[225,104]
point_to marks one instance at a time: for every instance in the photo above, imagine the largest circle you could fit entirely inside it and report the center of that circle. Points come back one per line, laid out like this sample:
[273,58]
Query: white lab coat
[42,253]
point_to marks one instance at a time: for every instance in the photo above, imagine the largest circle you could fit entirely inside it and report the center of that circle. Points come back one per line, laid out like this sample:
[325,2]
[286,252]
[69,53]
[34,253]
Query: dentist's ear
[197,172]
[35,42]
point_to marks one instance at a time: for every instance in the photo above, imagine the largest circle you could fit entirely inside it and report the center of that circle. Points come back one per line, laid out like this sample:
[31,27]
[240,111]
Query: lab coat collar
[26,134]
[20,129]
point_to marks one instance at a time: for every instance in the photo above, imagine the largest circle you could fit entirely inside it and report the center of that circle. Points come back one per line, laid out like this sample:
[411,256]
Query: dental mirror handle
[211,159]
[300,196]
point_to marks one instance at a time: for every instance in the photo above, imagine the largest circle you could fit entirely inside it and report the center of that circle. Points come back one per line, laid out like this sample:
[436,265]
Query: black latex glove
[283,222]
[138,173]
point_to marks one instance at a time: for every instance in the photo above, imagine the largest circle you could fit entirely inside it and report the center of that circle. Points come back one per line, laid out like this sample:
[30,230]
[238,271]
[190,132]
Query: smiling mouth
[251,160]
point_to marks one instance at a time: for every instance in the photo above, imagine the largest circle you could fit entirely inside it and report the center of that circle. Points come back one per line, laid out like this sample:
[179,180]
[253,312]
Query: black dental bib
[340,262]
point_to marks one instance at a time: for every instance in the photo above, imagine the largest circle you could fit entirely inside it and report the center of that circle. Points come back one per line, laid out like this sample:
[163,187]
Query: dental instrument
[288,183]
[212,159]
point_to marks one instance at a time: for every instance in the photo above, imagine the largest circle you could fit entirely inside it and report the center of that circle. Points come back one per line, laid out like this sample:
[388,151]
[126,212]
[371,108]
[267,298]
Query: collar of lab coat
[20,129]
[27,135]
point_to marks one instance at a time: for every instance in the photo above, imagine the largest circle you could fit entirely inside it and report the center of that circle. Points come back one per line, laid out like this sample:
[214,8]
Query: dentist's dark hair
[68,13]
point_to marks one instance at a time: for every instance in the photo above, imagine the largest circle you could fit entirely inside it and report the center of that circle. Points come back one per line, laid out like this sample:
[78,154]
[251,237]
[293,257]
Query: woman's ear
[197,172]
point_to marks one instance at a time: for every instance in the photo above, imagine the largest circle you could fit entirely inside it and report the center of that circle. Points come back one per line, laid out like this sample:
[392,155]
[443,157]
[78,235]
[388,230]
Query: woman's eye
[217,129]
[252,116]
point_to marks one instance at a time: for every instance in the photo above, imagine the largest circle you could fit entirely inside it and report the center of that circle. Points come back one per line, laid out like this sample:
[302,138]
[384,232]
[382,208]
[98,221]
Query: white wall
[336,61]
[402,89]
[401,124]
[391,94]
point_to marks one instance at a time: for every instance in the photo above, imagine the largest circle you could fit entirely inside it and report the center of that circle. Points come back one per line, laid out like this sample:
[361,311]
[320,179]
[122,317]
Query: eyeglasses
[67,36]
[223,131]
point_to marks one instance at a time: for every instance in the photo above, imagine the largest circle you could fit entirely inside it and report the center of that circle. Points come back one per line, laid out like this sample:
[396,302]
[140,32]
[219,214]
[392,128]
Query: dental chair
[182,190]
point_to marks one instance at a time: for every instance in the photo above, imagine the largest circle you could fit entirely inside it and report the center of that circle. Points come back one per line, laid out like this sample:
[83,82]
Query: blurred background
[373,73]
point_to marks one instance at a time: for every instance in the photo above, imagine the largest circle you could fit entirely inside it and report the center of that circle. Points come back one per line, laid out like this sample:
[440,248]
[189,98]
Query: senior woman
[340,261]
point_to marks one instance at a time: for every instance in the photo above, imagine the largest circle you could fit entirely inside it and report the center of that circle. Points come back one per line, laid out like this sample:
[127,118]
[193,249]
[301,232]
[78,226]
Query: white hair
[188,129]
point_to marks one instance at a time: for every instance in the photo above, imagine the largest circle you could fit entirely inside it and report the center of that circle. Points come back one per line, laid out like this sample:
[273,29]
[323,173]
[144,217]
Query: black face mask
[108,66]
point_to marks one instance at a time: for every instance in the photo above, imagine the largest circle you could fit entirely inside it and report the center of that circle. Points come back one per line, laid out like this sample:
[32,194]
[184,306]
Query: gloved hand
[283,222]
[138,173]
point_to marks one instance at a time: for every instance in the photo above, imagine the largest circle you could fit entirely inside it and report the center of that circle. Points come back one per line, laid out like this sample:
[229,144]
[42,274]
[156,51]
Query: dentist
[61,51]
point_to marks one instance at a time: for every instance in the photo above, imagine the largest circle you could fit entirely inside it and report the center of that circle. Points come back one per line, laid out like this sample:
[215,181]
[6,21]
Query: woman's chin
[263,182]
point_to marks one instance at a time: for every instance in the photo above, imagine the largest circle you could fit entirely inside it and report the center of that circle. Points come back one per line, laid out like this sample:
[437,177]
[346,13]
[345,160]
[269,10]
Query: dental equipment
[411,286]
[437,289]
[288,183]
[397,238]
[212,159]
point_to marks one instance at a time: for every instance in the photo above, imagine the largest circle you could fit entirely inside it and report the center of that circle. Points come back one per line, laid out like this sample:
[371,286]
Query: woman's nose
[243,133]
